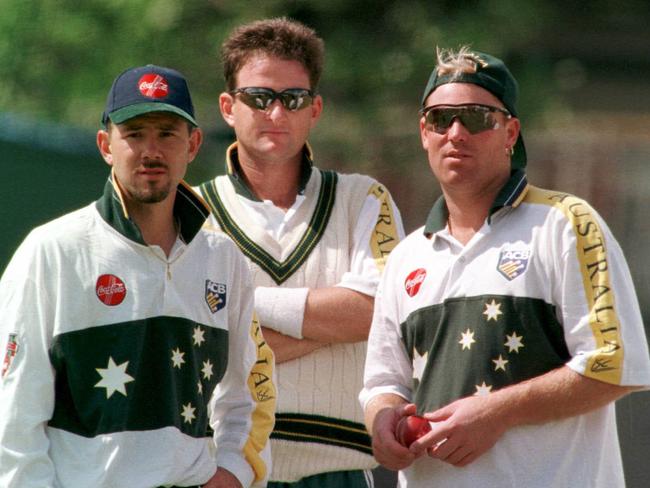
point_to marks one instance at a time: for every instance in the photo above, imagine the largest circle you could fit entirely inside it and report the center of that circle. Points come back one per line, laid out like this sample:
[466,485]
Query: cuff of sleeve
[366,395]
[281,309]
[367,286]
[238,466]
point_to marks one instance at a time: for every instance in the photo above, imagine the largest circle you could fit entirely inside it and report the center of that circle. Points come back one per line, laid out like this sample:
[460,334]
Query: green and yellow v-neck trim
[279,271]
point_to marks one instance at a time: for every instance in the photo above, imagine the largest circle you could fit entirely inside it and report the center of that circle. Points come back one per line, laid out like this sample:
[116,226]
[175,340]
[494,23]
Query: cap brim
[125,113]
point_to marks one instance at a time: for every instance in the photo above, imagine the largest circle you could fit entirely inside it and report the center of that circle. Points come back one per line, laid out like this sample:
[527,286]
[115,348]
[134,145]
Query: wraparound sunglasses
[474,117]
[261,98]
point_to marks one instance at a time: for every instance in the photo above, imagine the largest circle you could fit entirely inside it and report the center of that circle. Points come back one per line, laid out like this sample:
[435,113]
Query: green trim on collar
[233,170]
[189,209]
[512,192]
[437,218]
[510,195]
[279,271]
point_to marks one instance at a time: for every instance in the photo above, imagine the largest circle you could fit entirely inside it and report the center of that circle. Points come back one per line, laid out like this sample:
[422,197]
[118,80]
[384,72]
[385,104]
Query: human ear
[104,146]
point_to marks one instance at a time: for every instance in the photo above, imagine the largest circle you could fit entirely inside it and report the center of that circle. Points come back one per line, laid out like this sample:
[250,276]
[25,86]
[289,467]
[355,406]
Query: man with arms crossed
[127,329]
[509,320]
[316,242]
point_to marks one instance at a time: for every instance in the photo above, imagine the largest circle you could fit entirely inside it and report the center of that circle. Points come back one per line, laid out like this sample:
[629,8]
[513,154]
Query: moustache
[154,164]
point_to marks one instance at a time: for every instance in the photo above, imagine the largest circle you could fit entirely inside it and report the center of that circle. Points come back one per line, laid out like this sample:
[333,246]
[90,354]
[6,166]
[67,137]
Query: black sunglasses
[474,117]
[261,98]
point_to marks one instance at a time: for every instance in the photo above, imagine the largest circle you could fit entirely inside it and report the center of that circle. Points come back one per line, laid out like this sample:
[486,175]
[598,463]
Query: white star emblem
[114,377]
[177,358]
[419,362]
[514,342]
[207,369]
[483,390]
[467,339]
[500,363]
[492,310]
[188,413]
[198,336]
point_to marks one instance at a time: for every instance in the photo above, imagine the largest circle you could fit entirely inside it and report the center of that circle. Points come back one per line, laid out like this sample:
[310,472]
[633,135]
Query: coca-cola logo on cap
[152,85]
[110,290]
[414,281]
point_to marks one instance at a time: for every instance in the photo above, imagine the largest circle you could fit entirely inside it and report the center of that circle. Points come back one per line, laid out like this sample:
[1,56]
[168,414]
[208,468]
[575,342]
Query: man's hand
[223,479]
[385,446]
[470,426]
[464,430]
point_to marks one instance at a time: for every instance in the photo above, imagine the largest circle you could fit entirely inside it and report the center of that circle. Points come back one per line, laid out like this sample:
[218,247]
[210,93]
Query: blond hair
[456,63]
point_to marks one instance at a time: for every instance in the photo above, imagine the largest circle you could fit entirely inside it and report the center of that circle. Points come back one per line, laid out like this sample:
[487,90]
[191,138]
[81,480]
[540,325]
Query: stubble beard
[152,192]
[150,195]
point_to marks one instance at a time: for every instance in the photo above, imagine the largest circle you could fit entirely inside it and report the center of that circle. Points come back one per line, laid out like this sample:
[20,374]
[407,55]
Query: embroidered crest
[414,281]
[10,353]
[513,262]
[215,295]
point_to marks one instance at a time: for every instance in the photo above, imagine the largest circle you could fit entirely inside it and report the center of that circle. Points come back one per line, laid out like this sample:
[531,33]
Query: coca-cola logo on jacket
[110,290]
[414,281]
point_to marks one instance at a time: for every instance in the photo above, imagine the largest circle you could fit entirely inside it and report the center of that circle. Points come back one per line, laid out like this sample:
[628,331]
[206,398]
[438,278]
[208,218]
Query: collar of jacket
[190,211]
[233,170]
[510,195]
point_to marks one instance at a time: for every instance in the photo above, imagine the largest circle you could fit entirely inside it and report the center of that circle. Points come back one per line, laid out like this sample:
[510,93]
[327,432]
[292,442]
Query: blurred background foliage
[58,57]
[583,69]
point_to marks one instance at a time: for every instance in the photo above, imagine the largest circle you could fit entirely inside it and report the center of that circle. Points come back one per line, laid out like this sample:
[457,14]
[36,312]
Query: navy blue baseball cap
[493,75]
[146,89]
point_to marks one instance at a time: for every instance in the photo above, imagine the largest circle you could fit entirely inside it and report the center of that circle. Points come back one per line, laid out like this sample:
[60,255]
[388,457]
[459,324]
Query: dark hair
[280,37]
[190,127]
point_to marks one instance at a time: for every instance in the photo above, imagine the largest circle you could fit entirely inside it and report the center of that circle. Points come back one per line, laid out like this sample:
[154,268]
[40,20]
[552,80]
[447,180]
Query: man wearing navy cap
[127,328]
[509,320]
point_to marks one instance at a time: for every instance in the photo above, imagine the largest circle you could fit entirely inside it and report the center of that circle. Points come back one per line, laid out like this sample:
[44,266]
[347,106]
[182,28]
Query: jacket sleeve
[388,368]
[243,406]
[377,231]
[27,381]
[599,308]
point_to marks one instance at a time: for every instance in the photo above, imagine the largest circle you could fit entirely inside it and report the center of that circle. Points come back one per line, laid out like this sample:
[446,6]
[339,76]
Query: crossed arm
[468,427]
[332,315]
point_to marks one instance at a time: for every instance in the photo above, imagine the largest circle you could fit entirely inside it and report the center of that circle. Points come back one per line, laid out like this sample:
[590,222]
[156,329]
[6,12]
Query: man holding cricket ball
[509,322]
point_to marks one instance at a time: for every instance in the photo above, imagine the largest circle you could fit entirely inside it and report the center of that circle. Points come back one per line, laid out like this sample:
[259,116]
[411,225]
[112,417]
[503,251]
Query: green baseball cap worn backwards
[492,75]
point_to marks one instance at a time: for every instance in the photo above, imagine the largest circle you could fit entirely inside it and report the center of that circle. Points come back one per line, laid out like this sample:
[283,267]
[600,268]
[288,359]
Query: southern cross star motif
[207,369]
[483,389]
[492,310]
[500,363]
[177,358]
[419,362]
[513,342]
[198,336]
[114,378]
[467,339]
[188,413]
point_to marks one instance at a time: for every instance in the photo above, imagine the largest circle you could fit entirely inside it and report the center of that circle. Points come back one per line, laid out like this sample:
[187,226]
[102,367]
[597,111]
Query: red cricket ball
[411,428]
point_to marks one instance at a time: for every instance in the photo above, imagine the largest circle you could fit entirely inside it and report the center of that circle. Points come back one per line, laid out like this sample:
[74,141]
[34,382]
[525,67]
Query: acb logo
[215,295]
